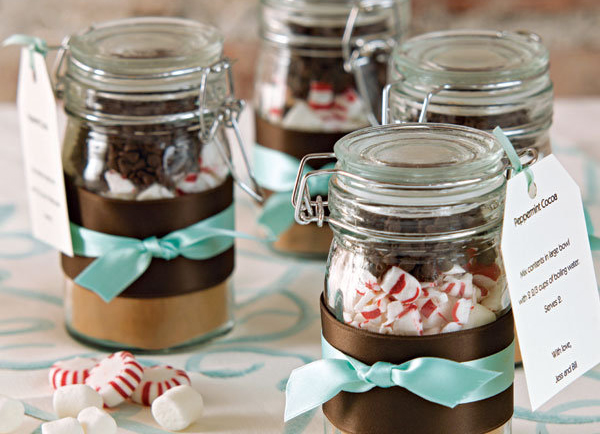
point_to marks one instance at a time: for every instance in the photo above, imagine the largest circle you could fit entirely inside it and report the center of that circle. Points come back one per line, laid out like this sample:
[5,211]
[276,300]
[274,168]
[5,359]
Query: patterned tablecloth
[242,375]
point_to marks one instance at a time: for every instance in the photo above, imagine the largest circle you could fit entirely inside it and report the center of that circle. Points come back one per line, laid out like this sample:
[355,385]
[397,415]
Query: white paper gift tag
[42,154]
[550,274]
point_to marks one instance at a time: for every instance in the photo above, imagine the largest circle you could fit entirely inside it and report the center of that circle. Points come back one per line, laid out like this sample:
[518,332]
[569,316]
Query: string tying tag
[35,44]
[515,162]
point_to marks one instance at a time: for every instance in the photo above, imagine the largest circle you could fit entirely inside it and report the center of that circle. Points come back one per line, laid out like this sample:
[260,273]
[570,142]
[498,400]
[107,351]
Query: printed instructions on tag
[41,151]
[551,280]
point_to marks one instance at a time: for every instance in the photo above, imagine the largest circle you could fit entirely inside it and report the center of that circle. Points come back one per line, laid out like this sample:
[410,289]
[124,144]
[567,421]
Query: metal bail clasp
[474,87]
[227,114]
[307,210]
[355,60]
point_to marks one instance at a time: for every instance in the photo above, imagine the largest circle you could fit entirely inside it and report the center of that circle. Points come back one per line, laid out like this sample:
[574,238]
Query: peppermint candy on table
[116,377]
[71,371]
[156,381]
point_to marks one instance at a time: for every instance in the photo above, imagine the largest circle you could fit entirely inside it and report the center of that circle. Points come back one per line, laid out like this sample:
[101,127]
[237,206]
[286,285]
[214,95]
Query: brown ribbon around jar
[299,239]
[143,219]
[395,409]
[296,143]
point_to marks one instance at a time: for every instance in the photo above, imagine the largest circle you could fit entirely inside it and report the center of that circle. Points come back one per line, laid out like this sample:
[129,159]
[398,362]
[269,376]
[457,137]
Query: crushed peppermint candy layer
[397,303]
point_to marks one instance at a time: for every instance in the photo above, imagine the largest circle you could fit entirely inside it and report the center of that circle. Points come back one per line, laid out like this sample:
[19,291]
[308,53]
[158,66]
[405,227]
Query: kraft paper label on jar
[551,281]
[42,154]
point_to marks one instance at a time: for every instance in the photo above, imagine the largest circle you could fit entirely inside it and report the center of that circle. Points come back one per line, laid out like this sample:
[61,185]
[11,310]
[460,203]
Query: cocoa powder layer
[148,323]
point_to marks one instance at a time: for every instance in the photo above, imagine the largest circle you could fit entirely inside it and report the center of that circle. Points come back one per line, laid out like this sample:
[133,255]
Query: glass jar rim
[138,52]
[421,155]
[471,57]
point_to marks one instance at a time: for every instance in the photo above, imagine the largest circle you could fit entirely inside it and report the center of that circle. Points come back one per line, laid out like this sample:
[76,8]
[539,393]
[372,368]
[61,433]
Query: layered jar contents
[305,99]
[480,79]
[416,211]
[138,165]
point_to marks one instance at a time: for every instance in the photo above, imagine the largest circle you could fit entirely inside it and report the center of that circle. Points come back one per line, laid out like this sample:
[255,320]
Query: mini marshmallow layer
[399,304]
[324,111]
[12,414]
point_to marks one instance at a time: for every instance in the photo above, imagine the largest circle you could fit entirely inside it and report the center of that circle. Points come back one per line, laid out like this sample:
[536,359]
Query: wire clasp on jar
[227,114]
[355,60]
[308,210]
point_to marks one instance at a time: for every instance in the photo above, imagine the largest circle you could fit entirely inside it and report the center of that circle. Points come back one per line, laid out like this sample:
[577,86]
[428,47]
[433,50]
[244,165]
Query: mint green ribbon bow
[121,260]
[276,171]
[442,381]
[34,44]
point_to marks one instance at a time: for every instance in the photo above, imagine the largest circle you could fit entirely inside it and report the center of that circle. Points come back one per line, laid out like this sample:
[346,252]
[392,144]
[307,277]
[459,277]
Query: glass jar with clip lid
[146,158]
[477,78]
[414,270]
[320,72]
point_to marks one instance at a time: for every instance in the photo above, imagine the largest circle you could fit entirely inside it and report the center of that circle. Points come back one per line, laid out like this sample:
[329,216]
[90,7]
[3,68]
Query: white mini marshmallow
[451,327]
[178,408]
[119,186]
[68,425]
[486,284]
[70,400]
[155,191]
[12,414]
[212,160]
[193,183]
[493,300]
[302,117]
[480,315]
[96,421]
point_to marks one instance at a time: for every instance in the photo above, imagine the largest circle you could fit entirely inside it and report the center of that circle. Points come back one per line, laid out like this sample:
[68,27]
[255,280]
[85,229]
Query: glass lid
[421,154]
[471,57]
[323,22]
[146,47]
[324,7]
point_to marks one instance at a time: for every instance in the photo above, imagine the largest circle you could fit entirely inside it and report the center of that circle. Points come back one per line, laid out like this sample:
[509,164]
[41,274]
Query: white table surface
[242,374]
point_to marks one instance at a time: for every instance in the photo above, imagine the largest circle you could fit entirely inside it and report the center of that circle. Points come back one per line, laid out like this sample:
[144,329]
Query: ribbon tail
[111,273]
[442,381]
[316,383]
[277,214]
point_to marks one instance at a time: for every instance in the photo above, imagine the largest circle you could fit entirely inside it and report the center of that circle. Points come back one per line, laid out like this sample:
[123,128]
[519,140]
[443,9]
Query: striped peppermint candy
[72,371]
[157,380]
[116,377]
